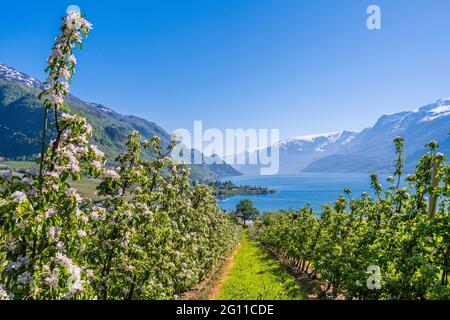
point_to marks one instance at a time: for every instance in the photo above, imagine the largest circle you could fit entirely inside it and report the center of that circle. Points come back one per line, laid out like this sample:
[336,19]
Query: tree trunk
[43,144]
[434,183]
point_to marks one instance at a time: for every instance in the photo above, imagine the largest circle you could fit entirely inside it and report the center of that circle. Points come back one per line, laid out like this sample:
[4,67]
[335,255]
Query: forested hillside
[21,124]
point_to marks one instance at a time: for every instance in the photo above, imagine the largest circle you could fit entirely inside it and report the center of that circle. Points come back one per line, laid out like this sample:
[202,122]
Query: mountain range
[371,150]
[21,115]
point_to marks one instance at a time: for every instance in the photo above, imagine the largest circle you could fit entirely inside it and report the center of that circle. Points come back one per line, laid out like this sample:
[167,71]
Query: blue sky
[301,66]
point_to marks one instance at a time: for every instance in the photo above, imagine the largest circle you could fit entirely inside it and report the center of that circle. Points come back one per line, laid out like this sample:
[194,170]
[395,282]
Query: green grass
[87,187]
[18,165]
[255,275]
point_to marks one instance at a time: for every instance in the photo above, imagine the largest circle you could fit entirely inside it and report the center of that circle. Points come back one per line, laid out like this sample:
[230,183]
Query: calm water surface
[295,191]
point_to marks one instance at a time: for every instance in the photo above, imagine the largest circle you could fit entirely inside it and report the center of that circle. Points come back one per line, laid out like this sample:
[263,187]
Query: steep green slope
[21,123]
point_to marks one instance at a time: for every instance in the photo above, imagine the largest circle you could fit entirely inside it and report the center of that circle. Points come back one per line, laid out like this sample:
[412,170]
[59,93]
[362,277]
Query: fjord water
[295,191]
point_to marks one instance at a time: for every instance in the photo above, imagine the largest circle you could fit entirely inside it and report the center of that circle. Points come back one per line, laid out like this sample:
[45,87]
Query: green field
[255,275]
[87,187]
[18,165]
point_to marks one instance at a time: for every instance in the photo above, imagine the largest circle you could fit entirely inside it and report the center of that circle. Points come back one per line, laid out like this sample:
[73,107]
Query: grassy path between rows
[255,275]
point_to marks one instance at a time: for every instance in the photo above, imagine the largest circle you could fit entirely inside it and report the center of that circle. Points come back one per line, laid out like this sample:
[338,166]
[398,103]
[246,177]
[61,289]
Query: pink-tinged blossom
[67,116]
[53,232]
[19,197]
[88,128]
[56,54]
[65,73]
[94,215]
[62,260]
[86,24]
[74,167]
[73,21]
[52,280]
[72,59]
[65,86]
[3,294]
[97,164]
[61,246]
[76,36]
[53,174]
[57,99]
[71,192]
[98,153]
[81,234]
[50,212]
[111,174]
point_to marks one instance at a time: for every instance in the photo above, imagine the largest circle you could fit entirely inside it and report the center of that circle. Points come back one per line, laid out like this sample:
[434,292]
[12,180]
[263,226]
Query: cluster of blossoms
[3,294]
[156,233]
[148,234]
[61,63]
[39,212]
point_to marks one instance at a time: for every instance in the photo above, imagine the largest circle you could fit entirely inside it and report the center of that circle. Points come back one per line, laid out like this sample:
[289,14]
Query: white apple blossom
[62,260]
[111,174]
[50,212]
[19,197]
[52,280]
[65,73]
[97,164]
[72,59]
[3,294]
[57,99]
[73,21]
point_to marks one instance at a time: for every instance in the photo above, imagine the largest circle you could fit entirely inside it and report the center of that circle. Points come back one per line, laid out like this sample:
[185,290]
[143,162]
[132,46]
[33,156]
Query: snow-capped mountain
[100,107]
[317,142]
[373,150]
[297,153]
[11,74]
[370,150]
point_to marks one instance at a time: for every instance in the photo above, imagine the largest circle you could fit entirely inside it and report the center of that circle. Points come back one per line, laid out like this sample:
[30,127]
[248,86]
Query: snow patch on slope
[333,136]
[11,74]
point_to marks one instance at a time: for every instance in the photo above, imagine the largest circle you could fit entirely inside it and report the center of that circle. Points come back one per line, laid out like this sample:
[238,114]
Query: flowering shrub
[403,230]
[154,235]
[151,234]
